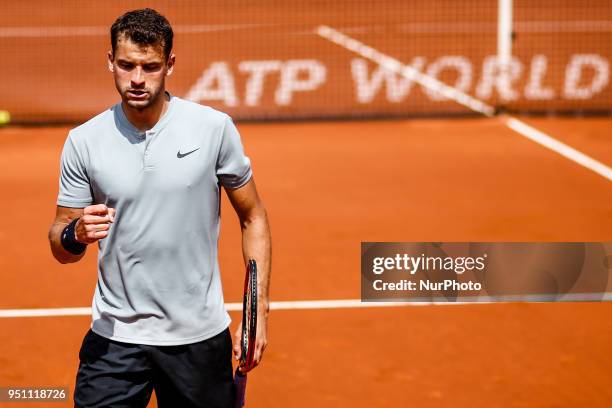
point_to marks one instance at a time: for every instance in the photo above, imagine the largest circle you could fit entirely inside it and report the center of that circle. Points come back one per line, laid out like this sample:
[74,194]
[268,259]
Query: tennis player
[142,180]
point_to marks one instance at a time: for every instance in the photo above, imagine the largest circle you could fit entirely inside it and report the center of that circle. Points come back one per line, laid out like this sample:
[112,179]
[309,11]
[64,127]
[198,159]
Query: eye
[152,67]
[125,65]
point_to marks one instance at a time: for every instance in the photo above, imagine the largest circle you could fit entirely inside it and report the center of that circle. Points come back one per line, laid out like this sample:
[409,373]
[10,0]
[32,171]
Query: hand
[261,340]
[94,223]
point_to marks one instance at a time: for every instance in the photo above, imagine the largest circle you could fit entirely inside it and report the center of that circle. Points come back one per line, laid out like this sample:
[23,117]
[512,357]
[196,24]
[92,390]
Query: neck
[145,119]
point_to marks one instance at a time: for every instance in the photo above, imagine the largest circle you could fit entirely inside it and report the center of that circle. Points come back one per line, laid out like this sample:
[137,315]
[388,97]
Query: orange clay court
[432,171]
[447,180]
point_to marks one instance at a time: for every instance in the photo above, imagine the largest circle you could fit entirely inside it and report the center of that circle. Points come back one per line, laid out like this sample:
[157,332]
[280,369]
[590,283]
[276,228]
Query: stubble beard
[142,105]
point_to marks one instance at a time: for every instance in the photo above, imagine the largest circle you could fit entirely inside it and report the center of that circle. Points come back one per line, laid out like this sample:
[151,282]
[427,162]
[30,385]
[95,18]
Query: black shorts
[116,374]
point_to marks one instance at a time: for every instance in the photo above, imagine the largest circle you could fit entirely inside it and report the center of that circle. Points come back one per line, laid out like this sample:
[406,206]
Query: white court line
[407,71]
[448,28]
[564,150]
[64,311]
[542,26]
[88,31]
[575,26]
[281,305]
[466,100]
[331,304]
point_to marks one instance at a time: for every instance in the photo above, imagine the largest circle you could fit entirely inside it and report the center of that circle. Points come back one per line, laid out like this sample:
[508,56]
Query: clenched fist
[94,223]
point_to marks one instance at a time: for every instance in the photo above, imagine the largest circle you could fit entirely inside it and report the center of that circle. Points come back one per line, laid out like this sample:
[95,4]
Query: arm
[256,244]
[93,224]
[63,217]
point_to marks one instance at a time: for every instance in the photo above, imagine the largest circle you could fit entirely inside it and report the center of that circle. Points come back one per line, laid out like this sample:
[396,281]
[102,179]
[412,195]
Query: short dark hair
[144,27]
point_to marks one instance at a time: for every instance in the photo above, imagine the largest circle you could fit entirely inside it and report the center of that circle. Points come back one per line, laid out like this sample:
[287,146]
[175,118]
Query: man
[142,180]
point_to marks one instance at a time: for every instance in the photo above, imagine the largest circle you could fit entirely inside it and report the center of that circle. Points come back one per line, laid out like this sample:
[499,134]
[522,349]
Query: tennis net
[274,59]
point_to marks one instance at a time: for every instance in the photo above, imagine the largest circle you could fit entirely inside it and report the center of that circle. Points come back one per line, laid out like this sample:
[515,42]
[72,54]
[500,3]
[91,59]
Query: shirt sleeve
[233,166]
[74,187]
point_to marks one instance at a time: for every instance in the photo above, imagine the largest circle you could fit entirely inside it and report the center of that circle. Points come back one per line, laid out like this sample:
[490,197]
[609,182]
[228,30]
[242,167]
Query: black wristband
[69,241]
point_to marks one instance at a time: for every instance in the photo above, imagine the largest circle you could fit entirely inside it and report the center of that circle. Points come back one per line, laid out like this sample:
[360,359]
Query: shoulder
[92,127]
[201,114]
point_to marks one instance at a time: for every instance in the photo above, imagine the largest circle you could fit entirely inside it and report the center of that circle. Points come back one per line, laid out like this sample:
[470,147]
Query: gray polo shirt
[158,275]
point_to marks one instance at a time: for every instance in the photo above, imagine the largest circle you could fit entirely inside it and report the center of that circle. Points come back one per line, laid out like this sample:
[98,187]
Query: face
[139,72]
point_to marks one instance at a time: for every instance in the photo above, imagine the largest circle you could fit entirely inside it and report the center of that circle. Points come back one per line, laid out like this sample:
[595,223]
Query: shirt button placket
[142,137]
[147,153]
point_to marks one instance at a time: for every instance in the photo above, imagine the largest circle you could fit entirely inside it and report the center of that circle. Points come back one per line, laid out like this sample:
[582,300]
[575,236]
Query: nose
[137,77]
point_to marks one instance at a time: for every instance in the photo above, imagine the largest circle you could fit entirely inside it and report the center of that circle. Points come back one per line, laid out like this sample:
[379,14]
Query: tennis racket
[249,331]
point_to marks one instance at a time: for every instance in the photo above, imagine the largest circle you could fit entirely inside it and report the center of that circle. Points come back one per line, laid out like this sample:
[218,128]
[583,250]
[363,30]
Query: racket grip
[240,381]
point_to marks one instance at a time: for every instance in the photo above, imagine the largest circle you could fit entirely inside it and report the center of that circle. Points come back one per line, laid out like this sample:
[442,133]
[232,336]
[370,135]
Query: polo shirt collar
[126,126]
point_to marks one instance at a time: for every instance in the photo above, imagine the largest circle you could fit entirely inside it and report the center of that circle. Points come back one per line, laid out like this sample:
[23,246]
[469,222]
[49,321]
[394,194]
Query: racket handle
[240,382]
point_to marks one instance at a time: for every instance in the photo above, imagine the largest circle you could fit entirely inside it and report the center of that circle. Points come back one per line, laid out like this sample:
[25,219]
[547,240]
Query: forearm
[55,241]
[256,244]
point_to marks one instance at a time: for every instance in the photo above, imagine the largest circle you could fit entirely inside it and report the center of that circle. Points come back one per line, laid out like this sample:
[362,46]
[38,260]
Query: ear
[170,64]
[111,67]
